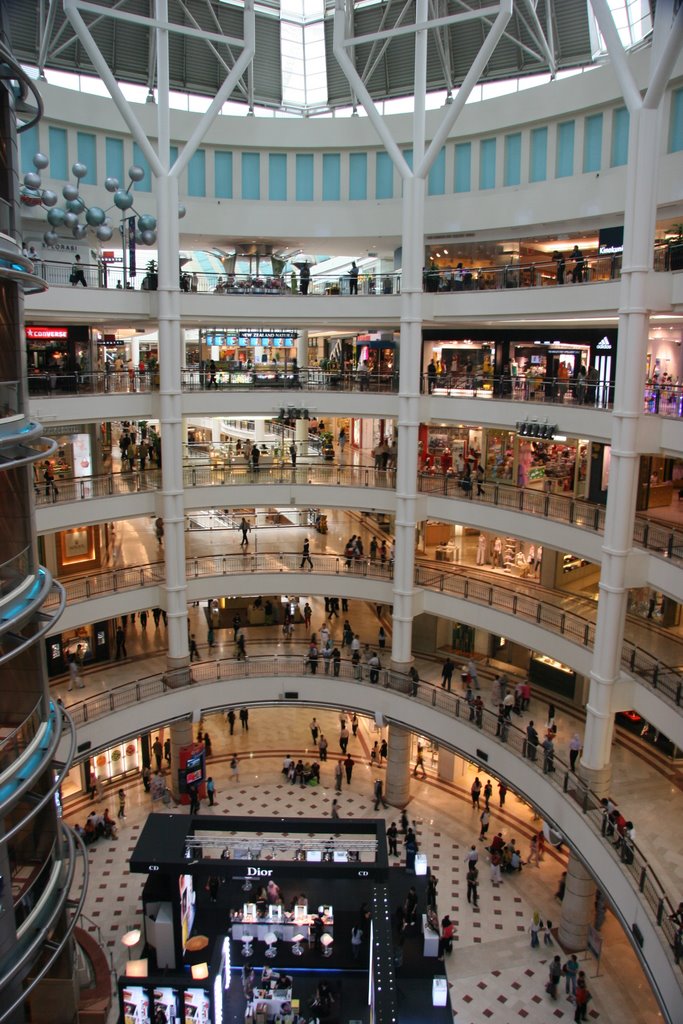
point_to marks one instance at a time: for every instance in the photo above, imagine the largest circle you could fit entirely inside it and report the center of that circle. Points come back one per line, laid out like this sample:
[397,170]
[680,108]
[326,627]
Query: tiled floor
[493,973]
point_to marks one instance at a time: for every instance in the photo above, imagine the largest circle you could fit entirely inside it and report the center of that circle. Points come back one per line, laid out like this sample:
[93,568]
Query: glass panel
[145,185]
[331,176]
[513,159]
[538,161]
[676,128]
[223,175]
[437,176]
[277,176]
[304,177]
[487,163]
[592,143]
[30,144]
[358,176]
[463,167]
[87,154]
[59,156]
[620,128]
[384,177]
[251,176]
[113,155]
[565,150]
[196,174]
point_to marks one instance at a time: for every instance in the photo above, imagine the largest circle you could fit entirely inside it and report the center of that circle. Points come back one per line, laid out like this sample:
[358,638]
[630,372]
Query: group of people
[618,830]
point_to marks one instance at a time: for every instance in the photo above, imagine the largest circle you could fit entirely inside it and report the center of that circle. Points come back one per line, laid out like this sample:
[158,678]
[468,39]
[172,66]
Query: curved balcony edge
[41,614]
[34,937]
[566,802]
[34,761]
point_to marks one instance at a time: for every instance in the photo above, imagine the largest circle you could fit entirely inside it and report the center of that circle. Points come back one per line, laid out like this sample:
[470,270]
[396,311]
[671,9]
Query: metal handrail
[546,611]
[658,538]
[498,729]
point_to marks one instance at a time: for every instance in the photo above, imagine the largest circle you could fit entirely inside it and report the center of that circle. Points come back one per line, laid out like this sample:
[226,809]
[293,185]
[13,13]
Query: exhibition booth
[251,919]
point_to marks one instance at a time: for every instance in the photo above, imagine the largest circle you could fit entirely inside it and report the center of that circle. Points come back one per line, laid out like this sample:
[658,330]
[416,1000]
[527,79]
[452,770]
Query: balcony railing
[662,540]
[662,400]
[540,274]
[497,728]
[536,606]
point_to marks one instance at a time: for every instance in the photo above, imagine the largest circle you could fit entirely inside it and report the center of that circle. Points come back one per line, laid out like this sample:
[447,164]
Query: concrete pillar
[446,764]
[549,567]
[578,905]
[397,788]
[182,735]
[259,430]
[302,350]
[301,437]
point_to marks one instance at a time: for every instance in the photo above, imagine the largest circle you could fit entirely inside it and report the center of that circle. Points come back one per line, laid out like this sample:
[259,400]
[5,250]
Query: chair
[270,939]
[246,945]
[297,948]
[326,941]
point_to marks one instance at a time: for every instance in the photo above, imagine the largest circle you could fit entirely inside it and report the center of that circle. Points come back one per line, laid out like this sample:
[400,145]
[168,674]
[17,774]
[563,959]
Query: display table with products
[269,1003]
[291,925]
[431,938]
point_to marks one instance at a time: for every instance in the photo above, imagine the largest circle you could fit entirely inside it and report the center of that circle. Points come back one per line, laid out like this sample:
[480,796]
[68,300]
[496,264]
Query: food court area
[248,919]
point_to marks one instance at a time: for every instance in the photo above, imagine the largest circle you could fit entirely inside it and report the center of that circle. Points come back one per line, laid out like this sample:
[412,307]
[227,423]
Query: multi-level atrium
[451,327]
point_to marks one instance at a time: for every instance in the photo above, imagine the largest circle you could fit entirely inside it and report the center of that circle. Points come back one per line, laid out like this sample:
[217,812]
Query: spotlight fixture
[532,428]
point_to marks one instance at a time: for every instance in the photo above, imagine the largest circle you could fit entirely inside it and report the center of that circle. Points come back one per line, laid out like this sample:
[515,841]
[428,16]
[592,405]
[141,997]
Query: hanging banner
[132,270]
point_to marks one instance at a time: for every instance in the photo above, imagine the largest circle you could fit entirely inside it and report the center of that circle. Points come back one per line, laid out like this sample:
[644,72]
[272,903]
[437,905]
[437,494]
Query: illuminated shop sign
[41,333]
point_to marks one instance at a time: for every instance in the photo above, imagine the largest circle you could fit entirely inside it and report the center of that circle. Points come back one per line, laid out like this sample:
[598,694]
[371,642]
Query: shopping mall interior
[341,442]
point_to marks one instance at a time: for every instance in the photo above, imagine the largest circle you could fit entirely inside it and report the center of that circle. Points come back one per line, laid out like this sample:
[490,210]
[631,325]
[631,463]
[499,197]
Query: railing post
[514,605]
[646,532]
[596,519]
[655,675]
[642,879]
[565,783]
[660,911]
[562,622]
[546,506]
[434,698]
[678,695]
[670,546]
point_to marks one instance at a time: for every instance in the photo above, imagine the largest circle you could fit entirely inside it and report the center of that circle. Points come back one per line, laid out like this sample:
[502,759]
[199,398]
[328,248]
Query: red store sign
[44,333]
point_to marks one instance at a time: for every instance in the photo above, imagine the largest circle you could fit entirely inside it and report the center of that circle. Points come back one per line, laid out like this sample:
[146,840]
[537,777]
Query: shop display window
[500,455]
[118,760]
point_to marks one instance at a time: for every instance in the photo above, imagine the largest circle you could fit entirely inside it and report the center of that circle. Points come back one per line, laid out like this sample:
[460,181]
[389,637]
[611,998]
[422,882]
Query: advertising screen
[186,907]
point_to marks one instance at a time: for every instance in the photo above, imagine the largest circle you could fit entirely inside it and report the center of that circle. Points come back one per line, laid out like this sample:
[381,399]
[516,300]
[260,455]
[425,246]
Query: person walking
[392,839]
[353,279]
[419,763]
[158,751]
[122,804]
[235,768]
[306,557]
[485,819]
[334,810]
[582,997]
[292,454]
[246,530]
[475,792]
[535,929]
[383,750]
[473,674]
[531,741]
[194,650]
[570,970]
[574,750]
[502,793]
[348,767]
[231,721]
[336,661]
[338,776]
[488,791]
[313,726]
[74,675]
[554,975]
[343,739]
[244,719]
[77,275]
[447,674]
[473,885]
[379,794]
[211,790]
[322,747]
[354,724]
[120,644]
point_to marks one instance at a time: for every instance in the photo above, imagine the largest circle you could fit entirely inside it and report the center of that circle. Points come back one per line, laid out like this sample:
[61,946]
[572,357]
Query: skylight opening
[633,21]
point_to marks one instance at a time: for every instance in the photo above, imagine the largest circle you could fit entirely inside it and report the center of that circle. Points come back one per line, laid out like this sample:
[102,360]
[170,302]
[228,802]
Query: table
[285,930]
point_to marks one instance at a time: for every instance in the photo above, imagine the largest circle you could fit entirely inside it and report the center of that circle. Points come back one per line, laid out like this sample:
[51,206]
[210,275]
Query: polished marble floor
[493,973]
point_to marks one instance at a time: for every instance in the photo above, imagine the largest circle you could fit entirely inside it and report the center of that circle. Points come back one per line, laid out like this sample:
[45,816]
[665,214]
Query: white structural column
[168,297]
[397,790]
[639,228]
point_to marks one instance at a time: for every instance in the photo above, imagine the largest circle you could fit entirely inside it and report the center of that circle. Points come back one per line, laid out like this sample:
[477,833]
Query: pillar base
[597,779]
[577,907]
[397,788]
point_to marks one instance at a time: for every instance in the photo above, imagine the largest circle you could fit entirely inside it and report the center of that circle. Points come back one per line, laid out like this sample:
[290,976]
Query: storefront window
[500,455]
